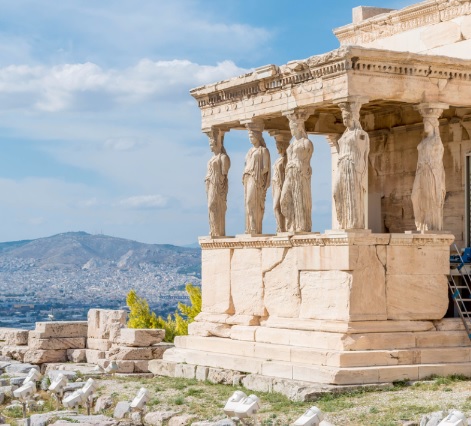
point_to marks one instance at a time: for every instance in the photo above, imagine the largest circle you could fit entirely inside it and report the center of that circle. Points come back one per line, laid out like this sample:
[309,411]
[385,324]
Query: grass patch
[194,391]
[179,400]
[363,407]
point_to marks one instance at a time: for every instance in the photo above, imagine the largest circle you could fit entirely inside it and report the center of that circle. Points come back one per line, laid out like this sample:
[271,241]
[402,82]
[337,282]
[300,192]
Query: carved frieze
[415,16]
[321,79]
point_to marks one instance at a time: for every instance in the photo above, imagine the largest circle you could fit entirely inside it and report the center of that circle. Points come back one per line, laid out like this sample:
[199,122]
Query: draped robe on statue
[256,181]
[296,198]
[428,192]
[350,185]
[216,189]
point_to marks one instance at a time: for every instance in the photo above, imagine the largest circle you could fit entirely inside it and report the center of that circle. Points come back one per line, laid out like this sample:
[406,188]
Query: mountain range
[79,269]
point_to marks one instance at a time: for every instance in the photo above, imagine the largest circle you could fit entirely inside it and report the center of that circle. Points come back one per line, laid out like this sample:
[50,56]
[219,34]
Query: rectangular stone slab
[139,337]
[45,330]
[40,356]
[56,343]
[216,281]
[247,282]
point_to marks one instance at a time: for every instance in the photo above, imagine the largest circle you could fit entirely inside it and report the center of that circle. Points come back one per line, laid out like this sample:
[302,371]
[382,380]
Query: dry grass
[402,402]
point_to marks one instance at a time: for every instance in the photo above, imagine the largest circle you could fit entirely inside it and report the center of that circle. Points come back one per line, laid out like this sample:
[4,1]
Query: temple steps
[326,374]
[333,358]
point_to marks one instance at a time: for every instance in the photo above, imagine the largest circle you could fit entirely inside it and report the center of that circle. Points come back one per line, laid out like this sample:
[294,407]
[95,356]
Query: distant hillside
[79,269]
[79,250]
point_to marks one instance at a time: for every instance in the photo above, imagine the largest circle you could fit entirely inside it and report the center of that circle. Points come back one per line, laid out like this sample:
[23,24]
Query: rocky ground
[180,402]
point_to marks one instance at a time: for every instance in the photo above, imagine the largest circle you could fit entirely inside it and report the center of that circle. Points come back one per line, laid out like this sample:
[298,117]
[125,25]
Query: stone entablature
[418,15]
[315,83]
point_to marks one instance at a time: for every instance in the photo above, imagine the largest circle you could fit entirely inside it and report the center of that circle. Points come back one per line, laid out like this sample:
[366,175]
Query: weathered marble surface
[428,192]
[296,196]
[217,185]
[342,276]
[351,180]
[282,139]
[256,178]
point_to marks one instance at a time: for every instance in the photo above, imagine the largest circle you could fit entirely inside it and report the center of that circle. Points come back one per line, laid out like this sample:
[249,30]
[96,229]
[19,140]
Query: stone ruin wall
[100,340]
[392,166]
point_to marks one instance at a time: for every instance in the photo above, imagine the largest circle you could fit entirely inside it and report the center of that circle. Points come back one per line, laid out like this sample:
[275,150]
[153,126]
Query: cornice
[418,15]
[313,72]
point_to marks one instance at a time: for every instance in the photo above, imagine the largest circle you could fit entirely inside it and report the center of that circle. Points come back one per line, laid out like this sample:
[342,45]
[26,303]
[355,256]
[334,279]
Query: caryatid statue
[296,198]
[282,139]
[351,182]
[428,192]
[217,183]
[256,178]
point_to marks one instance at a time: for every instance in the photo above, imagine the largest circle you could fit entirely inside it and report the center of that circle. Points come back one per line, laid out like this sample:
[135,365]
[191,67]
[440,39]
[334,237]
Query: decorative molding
[309,240]
[416,16]
[310,75]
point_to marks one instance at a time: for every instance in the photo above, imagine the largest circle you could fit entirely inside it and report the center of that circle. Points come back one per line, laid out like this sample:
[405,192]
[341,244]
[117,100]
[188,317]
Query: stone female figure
[256,179]
[217,184]
[351,182]
[296,198]
[282,142]
[428,192]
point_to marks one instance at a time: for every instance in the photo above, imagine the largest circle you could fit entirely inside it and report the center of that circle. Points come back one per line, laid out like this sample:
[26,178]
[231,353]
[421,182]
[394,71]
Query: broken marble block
[14,352]
[14,336]
[139,337]
[40,356]
[45,330]
[77,355]
[105,323]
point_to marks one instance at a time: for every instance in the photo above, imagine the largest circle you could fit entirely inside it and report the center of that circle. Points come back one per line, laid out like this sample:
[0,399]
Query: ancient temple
[363,302]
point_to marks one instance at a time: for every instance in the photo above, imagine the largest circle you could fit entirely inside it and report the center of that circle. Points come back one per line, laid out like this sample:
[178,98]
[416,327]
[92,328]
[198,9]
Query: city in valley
[63,276]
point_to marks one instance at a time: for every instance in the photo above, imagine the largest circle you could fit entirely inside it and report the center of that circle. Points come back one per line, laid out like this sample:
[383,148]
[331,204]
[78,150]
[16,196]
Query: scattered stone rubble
[100,340]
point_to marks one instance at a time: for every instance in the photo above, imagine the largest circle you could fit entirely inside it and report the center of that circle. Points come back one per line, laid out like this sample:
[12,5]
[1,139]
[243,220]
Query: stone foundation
[340,308]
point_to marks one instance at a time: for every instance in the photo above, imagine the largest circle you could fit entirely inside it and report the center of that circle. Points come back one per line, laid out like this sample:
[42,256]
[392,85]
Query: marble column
[351,183]
[217,185]
[282,139]
[428,192]
[256,178]
[333,140]
[296,197]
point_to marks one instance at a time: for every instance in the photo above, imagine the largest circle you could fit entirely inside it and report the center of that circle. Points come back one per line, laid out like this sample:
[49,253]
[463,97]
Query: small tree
[140,315]
[189,312]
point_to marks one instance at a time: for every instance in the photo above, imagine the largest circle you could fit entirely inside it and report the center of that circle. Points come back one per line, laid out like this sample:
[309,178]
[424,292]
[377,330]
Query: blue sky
[98,131]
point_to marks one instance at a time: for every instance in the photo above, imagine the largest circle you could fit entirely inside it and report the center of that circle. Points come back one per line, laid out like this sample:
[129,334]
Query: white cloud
[123,144]
[76,86]
[145,202]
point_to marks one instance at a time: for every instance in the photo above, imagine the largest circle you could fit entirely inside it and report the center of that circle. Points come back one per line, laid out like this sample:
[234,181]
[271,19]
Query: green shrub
[140,315]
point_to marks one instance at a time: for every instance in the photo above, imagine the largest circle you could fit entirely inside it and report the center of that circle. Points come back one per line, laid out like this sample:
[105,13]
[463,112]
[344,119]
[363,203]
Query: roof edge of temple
[387,24]
[268,71]
[294,70]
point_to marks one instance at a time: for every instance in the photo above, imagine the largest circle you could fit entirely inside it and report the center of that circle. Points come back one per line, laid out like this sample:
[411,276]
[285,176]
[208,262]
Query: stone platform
[339,308]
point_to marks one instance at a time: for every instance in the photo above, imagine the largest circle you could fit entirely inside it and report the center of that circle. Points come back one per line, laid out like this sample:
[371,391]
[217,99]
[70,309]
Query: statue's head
[282,143]
[351,115]
[297,126]
[216,140]
[255,129]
